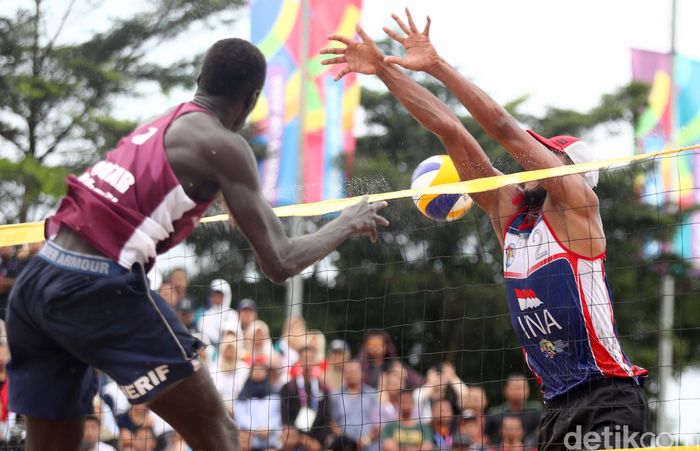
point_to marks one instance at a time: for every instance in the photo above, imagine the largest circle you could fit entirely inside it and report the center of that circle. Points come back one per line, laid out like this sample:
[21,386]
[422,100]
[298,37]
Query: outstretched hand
[420,53]
[363,218]
[363,57]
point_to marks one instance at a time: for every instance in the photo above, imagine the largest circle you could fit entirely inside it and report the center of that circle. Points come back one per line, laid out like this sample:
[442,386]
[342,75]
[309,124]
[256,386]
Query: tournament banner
[329,144]
[671,119]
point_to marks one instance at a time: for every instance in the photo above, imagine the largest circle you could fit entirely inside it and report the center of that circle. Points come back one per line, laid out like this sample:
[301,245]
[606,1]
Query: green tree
[56,107]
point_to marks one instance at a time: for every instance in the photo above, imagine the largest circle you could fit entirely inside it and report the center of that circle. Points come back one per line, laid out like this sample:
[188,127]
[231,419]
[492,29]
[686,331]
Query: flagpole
[667,280]
[295,284]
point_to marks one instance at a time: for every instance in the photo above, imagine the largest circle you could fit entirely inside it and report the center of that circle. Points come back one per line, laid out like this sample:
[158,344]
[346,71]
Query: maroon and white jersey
[131,206]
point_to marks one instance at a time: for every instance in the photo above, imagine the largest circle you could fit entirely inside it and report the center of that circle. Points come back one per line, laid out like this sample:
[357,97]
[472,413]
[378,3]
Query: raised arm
[469,158]
[279,256]
[569,191]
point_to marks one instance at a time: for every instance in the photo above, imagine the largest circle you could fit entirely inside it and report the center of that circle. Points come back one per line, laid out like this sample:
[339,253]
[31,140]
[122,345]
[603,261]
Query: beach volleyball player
[552,238]
[84,302]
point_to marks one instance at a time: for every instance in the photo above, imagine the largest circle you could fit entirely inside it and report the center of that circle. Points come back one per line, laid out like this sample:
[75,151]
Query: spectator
[476,399]
[4,383]
[512,434]
[258,343]
[305,407]
[441,382]
[185,311]
[108,424]
[114,397]
[475,405]
[292,340]
[126,438]
[231,372]
[144,439]
[258,410]
[177,443]
[12,262]
[338,355]
[167,292]
[247,314]
[355,412]
[390,397]
[471,431]
[219,315]
[516,393]
[258,385]
[378,354]
[91,436]
[462,443]
[138,415]
[406,433]
[178,281]
[442,423]
[316,340]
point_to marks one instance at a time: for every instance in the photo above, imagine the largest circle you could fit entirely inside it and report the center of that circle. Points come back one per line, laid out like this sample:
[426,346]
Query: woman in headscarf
[378,354]
[231,373]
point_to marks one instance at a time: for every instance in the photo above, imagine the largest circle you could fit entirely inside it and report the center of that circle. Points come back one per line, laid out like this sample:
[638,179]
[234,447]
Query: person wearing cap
[339,353]
[220,314]
[185,311]
[247,314]
[551,234]
[470,431]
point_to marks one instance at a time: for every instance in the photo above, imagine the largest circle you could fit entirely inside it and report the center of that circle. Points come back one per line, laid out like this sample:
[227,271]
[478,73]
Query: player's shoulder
[203,131]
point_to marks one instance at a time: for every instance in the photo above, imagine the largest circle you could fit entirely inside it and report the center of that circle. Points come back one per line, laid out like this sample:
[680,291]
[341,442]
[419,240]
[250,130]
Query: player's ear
[252,100]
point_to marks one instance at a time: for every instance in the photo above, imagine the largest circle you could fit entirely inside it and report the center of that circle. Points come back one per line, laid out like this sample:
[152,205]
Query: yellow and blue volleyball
[438,170]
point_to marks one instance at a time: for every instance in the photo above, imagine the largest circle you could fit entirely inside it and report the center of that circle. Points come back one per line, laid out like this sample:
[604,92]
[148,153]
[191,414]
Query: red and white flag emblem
[527,299]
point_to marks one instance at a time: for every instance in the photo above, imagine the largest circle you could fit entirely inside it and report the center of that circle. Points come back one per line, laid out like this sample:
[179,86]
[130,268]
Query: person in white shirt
[220,315]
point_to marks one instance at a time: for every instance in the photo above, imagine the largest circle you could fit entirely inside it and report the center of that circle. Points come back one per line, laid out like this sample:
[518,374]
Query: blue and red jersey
[561,309]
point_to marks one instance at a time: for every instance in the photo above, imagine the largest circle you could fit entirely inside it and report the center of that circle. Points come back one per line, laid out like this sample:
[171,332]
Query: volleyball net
[421,311]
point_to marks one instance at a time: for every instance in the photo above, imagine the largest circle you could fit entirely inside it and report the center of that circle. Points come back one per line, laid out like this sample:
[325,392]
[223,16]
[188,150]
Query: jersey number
[538,239]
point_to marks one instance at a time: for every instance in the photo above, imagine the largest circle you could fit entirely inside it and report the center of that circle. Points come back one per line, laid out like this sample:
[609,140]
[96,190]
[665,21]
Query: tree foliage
[56,108]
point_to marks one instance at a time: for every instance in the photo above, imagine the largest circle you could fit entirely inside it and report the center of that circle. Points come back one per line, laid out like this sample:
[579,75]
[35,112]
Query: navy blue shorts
[70,314]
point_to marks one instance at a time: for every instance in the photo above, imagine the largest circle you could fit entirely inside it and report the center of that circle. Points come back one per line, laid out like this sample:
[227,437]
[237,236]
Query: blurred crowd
[298,392]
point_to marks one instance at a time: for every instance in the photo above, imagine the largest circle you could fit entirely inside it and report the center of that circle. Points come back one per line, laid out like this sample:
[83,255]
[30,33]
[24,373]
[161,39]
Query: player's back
[131,206]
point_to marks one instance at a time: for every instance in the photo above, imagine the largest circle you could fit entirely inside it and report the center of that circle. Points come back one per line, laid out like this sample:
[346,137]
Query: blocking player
[84,302]
[552,238]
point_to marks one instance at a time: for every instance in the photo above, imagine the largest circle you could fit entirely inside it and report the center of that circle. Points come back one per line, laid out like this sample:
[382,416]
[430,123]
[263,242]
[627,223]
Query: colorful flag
[672,119]
[329,144]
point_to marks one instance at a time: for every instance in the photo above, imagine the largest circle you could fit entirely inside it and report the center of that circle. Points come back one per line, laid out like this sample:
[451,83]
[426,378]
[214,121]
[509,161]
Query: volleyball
[438,170]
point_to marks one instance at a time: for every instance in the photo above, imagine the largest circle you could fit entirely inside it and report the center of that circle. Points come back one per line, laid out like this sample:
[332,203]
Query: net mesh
[422,317]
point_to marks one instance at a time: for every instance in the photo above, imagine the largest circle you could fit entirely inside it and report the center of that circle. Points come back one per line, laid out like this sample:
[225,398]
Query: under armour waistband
[86,264]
